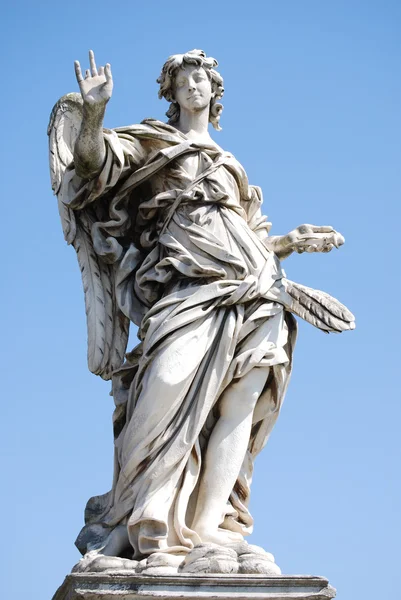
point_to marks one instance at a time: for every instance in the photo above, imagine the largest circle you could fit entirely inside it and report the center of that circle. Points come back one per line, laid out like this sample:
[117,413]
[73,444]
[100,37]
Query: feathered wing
[319,308]
[64,125]
[107,326]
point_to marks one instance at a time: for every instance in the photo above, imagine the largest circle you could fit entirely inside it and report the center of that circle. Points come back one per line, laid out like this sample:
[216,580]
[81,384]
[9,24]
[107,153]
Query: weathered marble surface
[237,557]
[170,236]
[126,586]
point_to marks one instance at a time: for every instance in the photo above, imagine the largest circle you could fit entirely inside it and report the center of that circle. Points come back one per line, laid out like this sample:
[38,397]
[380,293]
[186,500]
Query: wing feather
[319,308]
[64,125]
[94,295]
[107,327]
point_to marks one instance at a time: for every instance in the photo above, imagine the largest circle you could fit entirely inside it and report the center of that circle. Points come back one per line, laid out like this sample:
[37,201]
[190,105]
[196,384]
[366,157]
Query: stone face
[125,586]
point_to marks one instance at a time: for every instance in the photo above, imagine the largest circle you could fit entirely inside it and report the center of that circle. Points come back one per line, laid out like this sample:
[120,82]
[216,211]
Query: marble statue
[170,236]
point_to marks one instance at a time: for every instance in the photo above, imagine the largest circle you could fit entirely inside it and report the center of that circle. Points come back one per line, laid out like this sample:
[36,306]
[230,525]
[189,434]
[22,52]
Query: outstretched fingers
[107,73]
[78,72]
[93,71]
[92,63]
[322,228]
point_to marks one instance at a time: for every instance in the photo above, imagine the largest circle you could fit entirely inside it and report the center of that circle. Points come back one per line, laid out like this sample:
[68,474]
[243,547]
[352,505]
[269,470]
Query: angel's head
[190,81]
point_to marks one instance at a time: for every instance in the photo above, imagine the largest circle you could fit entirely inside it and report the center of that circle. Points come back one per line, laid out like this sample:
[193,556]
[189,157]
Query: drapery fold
[208,298]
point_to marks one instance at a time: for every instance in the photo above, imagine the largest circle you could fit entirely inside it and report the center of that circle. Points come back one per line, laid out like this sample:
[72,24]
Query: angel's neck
[194,124]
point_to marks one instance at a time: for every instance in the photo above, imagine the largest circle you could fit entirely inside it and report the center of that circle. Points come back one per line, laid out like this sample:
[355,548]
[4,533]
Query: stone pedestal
[125,586]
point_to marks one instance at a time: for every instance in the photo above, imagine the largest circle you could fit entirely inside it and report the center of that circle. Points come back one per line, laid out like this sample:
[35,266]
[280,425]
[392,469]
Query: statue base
[119,585]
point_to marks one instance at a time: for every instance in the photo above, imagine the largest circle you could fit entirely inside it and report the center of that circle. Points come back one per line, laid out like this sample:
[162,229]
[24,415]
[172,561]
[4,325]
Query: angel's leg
[225,454]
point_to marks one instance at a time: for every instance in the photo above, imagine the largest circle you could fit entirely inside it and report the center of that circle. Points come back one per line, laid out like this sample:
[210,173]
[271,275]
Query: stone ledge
[119,585]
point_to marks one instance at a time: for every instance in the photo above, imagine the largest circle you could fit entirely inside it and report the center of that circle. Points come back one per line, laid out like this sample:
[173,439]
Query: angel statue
[170,236]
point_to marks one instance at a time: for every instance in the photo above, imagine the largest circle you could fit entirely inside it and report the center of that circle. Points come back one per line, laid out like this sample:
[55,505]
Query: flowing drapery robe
[195,275]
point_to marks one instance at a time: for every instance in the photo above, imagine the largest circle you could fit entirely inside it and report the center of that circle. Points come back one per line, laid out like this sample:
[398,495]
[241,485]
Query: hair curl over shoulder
[167,77]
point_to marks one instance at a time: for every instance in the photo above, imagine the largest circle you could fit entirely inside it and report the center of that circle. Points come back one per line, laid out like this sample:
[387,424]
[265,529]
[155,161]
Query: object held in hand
[319,242]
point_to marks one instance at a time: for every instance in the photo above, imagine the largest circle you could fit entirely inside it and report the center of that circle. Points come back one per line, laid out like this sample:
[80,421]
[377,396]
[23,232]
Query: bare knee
[240,398]
[237,405]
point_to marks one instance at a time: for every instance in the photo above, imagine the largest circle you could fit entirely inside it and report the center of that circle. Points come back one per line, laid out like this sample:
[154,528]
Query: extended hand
[97,87]
[306,238]
[313,238]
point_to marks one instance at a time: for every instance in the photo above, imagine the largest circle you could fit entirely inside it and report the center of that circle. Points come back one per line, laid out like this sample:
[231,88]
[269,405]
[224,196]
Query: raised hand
[97,86]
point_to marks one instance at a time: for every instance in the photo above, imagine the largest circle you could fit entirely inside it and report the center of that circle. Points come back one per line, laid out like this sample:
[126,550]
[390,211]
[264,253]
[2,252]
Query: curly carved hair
[167,77]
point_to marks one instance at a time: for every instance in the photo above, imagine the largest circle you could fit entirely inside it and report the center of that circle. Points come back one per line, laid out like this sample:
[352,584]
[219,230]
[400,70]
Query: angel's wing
[318,308]
[106,324]
[64,125]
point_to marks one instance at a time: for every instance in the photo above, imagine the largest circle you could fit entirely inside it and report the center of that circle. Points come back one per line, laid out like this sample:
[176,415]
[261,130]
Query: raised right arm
[96,89]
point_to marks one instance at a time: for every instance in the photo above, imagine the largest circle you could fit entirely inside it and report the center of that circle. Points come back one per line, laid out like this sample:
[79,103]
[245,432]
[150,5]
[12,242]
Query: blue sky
[312,110]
